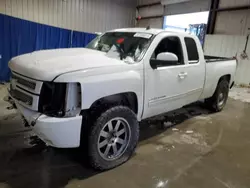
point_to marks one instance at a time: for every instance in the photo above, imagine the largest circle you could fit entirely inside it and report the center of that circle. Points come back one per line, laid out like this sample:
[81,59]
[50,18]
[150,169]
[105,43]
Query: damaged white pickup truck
[96,95]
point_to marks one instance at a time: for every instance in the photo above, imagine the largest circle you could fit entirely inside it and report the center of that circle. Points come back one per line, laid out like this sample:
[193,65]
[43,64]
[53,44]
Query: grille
[24,82]
[21,96]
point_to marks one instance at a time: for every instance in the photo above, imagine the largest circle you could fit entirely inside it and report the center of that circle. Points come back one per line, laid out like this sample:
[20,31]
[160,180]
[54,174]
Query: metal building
[228,26]
[80,15]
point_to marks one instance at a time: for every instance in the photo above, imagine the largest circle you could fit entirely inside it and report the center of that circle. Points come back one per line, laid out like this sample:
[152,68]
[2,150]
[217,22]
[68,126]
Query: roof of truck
[152,31]
[139,30]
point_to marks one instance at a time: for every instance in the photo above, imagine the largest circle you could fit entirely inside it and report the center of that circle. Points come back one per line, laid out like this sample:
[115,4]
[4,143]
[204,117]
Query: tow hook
[25,122]
[33,123]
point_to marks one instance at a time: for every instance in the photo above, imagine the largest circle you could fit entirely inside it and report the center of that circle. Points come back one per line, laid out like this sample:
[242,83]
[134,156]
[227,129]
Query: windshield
[126,44]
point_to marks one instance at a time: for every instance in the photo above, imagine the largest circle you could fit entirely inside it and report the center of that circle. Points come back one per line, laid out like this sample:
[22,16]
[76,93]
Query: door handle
[182,75]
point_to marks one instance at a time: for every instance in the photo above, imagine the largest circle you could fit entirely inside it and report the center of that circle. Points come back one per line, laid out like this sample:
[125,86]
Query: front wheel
[218,101]
[113,138]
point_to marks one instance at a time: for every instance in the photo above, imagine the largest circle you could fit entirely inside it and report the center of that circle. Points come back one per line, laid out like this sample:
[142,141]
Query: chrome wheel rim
[221,99]
[114,138]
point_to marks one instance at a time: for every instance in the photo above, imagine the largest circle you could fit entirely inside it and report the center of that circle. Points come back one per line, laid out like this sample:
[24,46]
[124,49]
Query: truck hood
[47,64]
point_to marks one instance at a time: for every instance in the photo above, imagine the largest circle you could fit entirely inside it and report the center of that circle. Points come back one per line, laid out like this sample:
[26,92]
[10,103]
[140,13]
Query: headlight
[60,99]
[52,99]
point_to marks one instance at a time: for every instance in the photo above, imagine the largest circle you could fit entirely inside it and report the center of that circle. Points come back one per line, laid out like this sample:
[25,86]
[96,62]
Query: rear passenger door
[194,68]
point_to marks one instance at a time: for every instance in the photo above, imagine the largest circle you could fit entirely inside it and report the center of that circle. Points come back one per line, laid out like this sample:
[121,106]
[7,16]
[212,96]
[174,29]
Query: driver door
[164,89]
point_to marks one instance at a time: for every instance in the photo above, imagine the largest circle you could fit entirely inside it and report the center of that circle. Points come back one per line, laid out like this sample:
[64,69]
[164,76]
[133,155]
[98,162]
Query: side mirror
[164,59]
[166,56]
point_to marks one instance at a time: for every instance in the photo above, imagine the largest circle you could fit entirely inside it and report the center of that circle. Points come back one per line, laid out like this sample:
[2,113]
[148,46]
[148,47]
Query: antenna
[148,27]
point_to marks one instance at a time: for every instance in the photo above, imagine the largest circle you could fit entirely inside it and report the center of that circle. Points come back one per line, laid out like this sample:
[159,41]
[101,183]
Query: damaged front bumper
[56,132]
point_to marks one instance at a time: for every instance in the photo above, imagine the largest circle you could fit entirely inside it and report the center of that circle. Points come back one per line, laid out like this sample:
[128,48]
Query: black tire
[95,158]
[216,103]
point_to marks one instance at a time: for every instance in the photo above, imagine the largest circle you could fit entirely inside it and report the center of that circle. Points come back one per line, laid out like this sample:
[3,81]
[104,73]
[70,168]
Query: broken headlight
[52,99]
[60,99]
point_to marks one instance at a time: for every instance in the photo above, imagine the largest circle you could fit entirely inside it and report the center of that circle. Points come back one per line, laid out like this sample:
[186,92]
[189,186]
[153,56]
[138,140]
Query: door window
[193,56]
[172,45]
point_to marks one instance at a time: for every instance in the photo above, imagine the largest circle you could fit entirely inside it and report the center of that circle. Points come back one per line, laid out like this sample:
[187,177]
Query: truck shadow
[157,125]
[45,167]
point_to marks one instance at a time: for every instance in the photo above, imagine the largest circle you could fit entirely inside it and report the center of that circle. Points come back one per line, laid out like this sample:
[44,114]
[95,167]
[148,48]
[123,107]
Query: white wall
[80,15]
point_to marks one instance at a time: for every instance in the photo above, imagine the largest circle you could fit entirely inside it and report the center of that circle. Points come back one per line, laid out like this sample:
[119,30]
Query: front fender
[98,86]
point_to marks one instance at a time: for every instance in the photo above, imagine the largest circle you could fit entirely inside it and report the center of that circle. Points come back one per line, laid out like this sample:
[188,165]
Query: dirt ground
[189,148]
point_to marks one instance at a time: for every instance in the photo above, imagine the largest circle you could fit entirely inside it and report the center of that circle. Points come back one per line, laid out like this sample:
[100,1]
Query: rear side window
[193,56]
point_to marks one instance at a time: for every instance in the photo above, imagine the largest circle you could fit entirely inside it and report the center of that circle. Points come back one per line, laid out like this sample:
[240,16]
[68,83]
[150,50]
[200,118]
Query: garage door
[151,16]
[187,7]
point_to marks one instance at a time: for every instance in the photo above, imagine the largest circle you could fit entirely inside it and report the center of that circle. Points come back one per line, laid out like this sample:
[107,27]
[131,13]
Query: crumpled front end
[51,109]
[56,132]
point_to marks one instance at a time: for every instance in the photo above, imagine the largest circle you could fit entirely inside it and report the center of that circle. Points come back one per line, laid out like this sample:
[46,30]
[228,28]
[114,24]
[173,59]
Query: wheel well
[225,77]
[128,99]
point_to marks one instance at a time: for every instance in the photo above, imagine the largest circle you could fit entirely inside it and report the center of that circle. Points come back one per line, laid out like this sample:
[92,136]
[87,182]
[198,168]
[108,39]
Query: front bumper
[56,132]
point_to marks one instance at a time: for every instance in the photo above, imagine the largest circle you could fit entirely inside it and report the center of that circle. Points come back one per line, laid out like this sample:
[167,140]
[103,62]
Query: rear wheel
[113,138]
[218,101]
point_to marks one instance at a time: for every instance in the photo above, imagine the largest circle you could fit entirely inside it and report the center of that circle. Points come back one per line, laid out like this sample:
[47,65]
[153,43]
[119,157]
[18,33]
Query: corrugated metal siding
[151,11]
[187,7]
[233,3]
[80,15]
[153,23]
[243,69]
[224,45]
[168,2]
[229,46]
[145,2]
[171,7]
[233,22]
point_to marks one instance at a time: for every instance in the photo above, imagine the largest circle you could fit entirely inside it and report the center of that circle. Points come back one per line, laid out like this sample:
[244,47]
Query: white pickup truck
[96,95]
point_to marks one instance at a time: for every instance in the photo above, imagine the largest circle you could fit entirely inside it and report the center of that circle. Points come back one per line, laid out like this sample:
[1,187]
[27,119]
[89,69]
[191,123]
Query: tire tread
[211,102]
[95,161]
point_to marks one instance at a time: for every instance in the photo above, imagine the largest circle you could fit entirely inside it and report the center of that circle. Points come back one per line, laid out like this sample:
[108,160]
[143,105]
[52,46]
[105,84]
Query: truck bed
[212,59]
[214,71]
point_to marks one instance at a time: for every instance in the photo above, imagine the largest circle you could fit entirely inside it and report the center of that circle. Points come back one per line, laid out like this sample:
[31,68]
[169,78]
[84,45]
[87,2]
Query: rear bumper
[56,132]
